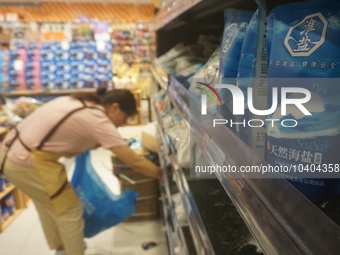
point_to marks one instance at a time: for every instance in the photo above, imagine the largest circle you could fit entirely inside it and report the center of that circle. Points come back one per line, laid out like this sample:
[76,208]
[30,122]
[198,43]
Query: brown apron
[51,172]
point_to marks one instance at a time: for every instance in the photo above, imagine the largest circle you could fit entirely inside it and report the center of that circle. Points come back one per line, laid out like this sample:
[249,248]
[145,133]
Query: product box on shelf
[18,54]
[47,55]
[17,84]
[89,81]
[104,63]
[77,54]
[52,46]
[33,66]
[48,66]
[34,55]
[47,75]
[4,85]
[4,55]
[47,84]
[90,66]
[77,66]
[63,75]
[62,55]
[76,83]
[61,84]
[33,84]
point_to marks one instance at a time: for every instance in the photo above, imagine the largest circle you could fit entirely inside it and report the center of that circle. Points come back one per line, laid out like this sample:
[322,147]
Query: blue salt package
[48,66]
[47,75]
[63,66]
[63,75]
[76,83]
[90,66]
[77,66]
[49,46]
[47,84]
[252,73]
[62,55]
[47,55]
[4,55]
[77,54]
[60,84]
[105,62]
[235,26]
[304,53]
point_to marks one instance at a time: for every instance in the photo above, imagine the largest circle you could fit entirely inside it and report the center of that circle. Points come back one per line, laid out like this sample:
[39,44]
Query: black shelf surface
[227,231]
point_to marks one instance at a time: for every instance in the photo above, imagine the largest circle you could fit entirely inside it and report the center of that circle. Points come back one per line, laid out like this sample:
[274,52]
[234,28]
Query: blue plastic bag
[102,208]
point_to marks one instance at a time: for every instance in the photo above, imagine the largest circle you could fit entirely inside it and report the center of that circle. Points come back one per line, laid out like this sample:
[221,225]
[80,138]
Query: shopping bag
[102,208]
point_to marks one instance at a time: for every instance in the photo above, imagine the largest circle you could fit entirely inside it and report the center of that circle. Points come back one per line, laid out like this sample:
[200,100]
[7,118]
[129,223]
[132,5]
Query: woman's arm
[138,163]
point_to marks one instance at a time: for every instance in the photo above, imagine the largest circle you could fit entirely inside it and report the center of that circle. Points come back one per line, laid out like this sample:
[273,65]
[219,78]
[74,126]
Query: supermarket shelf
[51,92]
[171,11]
[6,191]
[176,14]
[273,212]
[10,219]
[204,202]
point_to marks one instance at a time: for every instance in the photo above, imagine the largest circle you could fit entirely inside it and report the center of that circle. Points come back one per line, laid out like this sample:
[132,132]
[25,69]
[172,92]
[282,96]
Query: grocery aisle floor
[25,236]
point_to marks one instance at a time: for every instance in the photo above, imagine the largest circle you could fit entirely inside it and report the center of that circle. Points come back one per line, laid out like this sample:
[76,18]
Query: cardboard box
[149,141]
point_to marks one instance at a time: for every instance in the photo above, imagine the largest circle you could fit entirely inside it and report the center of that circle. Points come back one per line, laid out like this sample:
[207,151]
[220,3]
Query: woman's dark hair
[124,97]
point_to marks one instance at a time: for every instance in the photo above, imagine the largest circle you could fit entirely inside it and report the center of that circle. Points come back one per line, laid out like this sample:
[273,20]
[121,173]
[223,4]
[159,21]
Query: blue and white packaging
[47,55]
[90,53]
[235,26]
[252,73]
[47,84]
[304,53]
[77,54]
[90,81]
[62,55]
[61,84]
[77,66]
[208,75]
[4,55]
[90,66]
[47,75]
[76,83]
[52,46]
[63,75]
[64,66]
[49,66]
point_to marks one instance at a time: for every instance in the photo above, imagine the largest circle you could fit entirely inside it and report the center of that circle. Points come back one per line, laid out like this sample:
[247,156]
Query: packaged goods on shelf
[183,62]
[303,55]
[252,73]
[208,75]
[235,26]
